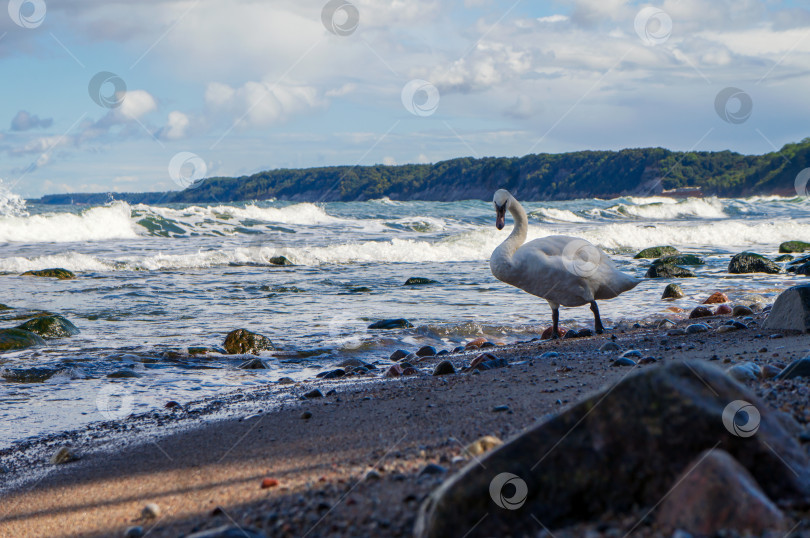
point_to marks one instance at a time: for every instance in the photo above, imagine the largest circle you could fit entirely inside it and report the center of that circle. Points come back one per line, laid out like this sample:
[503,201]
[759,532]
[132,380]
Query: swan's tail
[620,283]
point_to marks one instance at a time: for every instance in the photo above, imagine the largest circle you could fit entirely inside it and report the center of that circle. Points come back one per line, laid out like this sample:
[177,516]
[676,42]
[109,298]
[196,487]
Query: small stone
[410,370]
[458,349]
[700,312]
[432,469]
[398,354]
[63,455]
[741,310]
[475,344]
[726,329]
[372,474]
[548,355]
[387,324]
[672,291]
[631,353]
[171,404]
[286,381]
[668,271]
[487,361]
[269,483]
[133,532]
[696,328]
[571,333]
[547,333]
[394,371]
[609,346]
[584,333]
[419,281]
[306,415]
[314,393]
[444,368]
[253,364]
[744,371]
[482,445]
[676,332]
[716,298]
[723,310]
[500,408]
[332,374]
[666,324]
[648,360]
[623,361]
[426,351]
[769,371]
[151,511]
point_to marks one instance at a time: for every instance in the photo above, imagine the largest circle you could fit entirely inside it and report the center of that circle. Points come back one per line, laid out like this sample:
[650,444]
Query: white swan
[562,270]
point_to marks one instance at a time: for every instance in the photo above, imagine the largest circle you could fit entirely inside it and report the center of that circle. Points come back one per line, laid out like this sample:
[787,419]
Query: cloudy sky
[102,95]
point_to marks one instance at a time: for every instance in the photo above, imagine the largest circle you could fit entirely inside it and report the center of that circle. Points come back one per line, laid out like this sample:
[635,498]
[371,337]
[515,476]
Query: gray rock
[668,271]
[620,448]
[744,371]
[609,346]
[672,291]
[716,493]
[696,328]
[243,341]
[624,361]
[11,339]
[54,326]
[444,368]
[748,262]
[253,364]
[399,323]
[314,393]
[656,252]
[791,310]
[432,469]
[426,351]
[630,353]
[548,355]
[124,373]
[398,354]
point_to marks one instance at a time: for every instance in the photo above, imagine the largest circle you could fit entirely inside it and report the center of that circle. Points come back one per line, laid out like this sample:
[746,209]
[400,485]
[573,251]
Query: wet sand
[204,472]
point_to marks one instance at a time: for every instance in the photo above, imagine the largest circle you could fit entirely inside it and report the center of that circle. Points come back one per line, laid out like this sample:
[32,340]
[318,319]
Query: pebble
[571,333]
[269,483]
[482,445]
[500,408]
[151,511]
[410,370]
[666,324]
[426,351]
[398,354]
[676,332]
[487,361]
[723,310]
[648,360]
[332,374]
[306,415]
[372,475]
[171,404]
[741,310]
[549,355]
[394,371]
[314,393]
[744,371]
[133,532]
[63,455]
[458,349]
[716,297]
[609,346]
[444,368]
[774,336]
[631,353]
[696,328]
[700,312]
[123,374]
[286,381]
[769,371]
[475,344]
[432,469]
[547,333]
[624,361]
[443,352]
[726,329]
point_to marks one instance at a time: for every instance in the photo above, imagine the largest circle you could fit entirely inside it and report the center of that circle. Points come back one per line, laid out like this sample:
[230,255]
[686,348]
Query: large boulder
[243,341]
[794,246]
[717,493]
[61,274]
[656,252]
[54,326]
[748,262]
[622,447]
[12,339]
[791,310]
[668,271]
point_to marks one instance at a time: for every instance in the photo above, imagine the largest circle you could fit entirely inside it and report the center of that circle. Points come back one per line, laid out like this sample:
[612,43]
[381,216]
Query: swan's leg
[555,321]
[597,321]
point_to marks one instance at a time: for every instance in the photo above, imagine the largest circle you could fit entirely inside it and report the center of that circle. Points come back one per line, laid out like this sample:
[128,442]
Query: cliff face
[565,176]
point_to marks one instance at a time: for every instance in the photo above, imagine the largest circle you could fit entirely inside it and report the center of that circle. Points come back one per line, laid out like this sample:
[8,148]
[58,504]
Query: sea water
[155,280]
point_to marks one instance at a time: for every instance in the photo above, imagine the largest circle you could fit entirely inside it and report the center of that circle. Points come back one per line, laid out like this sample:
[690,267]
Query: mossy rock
[387,324]
[672,291]
[280,260]
[50,327]
[243,341]
[657,252]
[13,339]
[783,258]
[56,272]
[679,259]
[28,375]
[668,271]
[749,262]
[794,246]
[419,281]
[5,307]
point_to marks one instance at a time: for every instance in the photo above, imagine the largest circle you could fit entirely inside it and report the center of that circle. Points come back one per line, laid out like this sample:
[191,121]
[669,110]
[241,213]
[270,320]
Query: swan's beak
[500,217]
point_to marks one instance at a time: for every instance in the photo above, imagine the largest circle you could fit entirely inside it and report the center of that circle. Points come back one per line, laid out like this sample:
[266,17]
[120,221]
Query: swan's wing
[546,276]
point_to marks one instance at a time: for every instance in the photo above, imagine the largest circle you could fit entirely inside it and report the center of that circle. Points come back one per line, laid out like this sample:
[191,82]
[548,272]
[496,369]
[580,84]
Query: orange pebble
[269,483]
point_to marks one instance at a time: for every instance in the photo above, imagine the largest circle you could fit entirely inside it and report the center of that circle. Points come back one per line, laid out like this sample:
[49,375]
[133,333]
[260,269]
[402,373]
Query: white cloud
[259,104]
[175,126]
[136,104]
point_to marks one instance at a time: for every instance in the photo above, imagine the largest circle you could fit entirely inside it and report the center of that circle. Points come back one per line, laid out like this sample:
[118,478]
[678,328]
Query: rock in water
[280,260]
[419,281]
[657,252]
[11,339]
[783,258]
[61,274]
[748,262]
[679,259]
[426,351]
[700,312]
[716,493]
[668,271]
[716,297]
[253,364]
[621,447]
[791,310]
[400,323]
[672,291]
[794,246]
[50,326]
[244,341]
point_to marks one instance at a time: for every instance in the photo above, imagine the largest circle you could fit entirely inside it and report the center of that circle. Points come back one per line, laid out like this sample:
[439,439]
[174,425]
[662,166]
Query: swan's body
[565,271]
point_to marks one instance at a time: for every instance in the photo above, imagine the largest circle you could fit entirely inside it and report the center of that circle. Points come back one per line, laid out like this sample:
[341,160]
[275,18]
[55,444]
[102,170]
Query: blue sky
[246,86]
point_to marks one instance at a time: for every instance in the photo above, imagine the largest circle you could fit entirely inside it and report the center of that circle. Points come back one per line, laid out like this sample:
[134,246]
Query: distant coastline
[564,176]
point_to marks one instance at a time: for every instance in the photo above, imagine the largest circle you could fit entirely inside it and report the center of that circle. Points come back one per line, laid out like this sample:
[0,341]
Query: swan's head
[501,201]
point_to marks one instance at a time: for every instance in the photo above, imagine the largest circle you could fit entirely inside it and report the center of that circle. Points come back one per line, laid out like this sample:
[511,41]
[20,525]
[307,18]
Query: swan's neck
[502,257]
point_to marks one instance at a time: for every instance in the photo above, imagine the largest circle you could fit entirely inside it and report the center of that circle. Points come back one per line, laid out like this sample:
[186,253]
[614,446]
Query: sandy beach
[367,457]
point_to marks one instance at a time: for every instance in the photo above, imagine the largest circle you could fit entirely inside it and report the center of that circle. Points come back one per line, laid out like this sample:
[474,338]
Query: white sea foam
[98,223]
[300,214]
[551,214]
[659,209]
[11,205]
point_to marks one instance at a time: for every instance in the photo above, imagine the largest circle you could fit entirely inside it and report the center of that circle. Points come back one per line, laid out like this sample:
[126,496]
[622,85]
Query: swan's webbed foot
[597,321]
